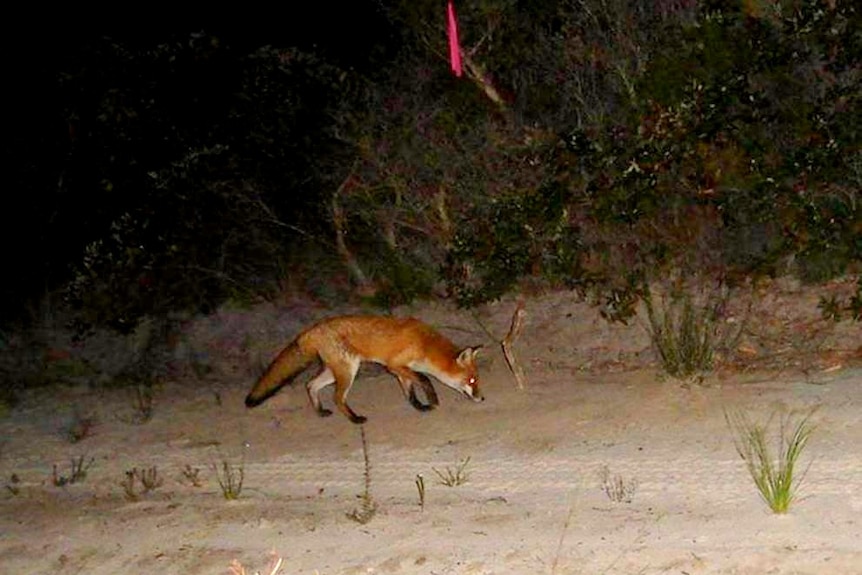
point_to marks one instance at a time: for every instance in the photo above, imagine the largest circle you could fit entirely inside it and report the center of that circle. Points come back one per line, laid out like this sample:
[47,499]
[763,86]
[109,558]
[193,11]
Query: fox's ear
[468,355]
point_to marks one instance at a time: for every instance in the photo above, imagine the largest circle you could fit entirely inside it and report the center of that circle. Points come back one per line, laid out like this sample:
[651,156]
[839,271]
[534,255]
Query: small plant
[833,308]
[77,473]
[774,476]
[79,428]
[420,487]
[830,308]
[230,479]
[191,474]
[12,485]
[148,478]
[367,508]
[454,476]
[616,487]
[855,304]
[142,404]
[128,485]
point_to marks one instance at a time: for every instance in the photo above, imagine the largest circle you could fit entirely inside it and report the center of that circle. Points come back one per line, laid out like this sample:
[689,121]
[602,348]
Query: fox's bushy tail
[288,363]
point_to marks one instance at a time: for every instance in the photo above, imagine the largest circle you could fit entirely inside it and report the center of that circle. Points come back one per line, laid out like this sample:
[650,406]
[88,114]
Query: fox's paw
[430,396]
[324,412]
[358,419]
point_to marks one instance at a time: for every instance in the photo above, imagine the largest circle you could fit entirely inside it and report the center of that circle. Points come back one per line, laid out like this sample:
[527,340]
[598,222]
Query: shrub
[687,328]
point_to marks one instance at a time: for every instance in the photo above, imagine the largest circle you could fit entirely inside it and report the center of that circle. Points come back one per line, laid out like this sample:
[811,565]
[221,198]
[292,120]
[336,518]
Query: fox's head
[468,378]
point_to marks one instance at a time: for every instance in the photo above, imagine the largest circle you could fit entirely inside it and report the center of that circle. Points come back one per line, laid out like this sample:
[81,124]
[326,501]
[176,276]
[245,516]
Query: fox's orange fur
[407,347]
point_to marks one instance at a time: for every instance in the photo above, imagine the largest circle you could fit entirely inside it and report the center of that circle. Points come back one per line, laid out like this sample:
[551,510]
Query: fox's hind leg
[409,379]
[321,380]
[345,373]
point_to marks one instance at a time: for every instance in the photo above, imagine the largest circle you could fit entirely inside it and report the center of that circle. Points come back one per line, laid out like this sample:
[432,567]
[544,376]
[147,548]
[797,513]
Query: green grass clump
[775,476]
[230,478]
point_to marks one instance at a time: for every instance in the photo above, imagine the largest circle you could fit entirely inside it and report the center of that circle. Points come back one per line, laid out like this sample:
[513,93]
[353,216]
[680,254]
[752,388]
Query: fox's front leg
[409,379]
[428,389]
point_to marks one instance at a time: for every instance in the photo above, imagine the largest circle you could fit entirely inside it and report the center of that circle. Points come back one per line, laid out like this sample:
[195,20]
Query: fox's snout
[473,392]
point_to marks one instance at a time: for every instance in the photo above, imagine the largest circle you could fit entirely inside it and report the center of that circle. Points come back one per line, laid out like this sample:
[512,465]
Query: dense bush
[187,174]
[593,145]
[737,149]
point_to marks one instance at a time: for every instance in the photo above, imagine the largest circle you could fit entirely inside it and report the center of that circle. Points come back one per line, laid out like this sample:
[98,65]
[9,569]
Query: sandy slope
[533,502]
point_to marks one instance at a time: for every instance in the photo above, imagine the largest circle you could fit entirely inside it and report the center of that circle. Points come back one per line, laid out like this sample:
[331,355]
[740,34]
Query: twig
[368,507]
[514,331]
[339,221]
[480,77]
[481,325]
[562,538]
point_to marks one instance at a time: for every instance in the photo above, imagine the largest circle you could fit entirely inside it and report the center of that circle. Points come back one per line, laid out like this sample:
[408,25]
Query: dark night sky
[34,46]
[36,49]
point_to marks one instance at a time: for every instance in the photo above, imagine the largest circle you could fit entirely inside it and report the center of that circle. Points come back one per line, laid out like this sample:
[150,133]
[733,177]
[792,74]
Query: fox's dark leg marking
[427,389]
[409,380]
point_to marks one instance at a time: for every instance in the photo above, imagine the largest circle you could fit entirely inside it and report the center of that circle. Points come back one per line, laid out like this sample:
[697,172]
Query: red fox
[407,348]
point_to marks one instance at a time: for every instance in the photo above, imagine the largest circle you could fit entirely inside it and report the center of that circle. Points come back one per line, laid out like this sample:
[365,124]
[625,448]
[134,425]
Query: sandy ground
[595,408]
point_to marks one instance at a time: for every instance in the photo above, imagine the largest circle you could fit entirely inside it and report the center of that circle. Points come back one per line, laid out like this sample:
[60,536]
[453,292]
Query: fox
[408,348]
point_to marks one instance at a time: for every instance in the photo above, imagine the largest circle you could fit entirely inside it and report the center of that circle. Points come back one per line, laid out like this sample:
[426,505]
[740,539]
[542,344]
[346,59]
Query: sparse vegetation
[454,476]
[80,427]
[148,478]
[686,328]
[834,308]
[13,484]
[192,475]
[142,404]
[230,478]
[128,485]
[77,472]
[774,474]
[616,487]
[367,506]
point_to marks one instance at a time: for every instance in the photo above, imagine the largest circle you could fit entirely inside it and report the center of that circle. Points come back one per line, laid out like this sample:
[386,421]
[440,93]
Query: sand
[600,465]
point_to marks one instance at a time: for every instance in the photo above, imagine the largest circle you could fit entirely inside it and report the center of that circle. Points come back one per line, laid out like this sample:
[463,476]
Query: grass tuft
[775,476]
[230,478]
[192,475]
[454,476]
[78,472]
[616,487]
[80,427]
[148,478]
